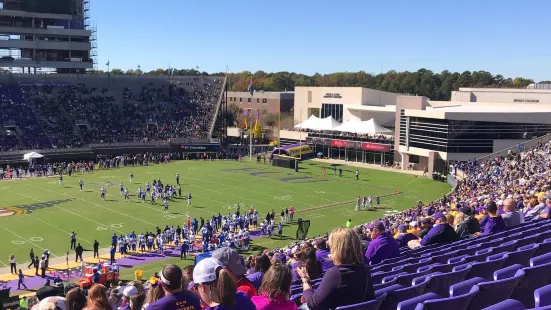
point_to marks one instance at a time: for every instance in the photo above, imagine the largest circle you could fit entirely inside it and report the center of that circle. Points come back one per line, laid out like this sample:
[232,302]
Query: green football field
[39,213]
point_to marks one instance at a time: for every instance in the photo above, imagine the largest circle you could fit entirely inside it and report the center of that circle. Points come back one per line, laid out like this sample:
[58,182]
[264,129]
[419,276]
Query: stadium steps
[215,115]
[73,124]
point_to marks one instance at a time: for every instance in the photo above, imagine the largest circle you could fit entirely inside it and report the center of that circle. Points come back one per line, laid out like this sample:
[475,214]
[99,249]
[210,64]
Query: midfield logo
[27,209]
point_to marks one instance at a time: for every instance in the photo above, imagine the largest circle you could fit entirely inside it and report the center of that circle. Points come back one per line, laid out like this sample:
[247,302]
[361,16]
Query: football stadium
[187,191]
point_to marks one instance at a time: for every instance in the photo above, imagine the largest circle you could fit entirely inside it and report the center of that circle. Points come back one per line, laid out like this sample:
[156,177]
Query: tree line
[436,86]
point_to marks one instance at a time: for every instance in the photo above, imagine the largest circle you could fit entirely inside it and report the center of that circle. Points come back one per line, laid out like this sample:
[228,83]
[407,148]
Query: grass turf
[52,211]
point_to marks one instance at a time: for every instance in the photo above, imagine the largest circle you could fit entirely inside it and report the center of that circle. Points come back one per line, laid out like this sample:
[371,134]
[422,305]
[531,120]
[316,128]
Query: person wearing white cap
[216,287]
[175,298]
[126,293]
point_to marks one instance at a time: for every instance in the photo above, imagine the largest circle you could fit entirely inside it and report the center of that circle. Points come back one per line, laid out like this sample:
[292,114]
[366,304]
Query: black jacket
[468,227]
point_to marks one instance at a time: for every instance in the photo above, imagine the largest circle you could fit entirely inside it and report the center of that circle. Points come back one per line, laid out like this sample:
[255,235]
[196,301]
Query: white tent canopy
[32,155]
[363,127]
[314,123]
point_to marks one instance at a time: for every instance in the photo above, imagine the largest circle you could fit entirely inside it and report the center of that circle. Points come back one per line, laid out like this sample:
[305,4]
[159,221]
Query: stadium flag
[107,64]
[251,88]
[257,118]
[246,114]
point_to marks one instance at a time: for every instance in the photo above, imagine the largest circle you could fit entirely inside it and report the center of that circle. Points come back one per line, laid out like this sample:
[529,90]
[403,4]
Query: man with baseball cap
[441,232]
[382,245]
[175,298]
[235,264]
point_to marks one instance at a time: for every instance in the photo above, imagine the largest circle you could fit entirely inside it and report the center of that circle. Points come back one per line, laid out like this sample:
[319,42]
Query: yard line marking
[27,240]
[410,183]
[95,204]
[84,217]
[41,220]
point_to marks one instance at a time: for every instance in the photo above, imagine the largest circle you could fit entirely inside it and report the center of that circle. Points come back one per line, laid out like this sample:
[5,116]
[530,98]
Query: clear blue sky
[307,36]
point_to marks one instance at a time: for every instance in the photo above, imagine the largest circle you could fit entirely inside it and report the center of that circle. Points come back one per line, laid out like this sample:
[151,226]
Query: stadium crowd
[60,115]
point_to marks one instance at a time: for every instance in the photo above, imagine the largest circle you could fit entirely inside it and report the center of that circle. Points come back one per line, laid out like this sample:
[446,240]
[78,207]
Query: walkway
[368,166]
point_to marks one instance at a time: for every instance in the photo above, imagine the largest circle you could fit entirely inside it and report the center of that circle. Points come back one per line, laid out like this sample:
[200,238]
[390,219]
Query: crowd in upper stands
[60,115]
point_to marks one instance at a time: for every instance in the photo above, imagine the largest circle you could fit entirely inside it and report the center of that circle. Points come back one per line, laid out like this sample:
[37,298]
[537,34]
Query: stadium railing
[218,104]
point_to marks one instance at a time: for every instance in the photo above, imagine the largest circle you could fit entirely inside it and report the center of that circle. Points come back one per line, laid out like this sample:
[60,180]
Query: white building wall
[536,96]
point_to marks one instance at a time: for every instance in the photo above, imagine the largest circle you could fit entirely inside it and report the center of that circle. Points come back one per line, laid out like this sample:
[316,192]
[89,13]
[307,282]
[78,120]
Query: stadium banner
[343,143]
[200,148]
[368,146]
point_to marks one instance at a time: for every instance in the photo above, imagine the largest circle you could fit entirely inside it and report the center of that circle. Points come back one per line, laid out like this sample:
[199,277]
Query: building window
[264,100]
[240,99]
[248,99]
[309,96]
[257,100]
[413,159]
[231,99]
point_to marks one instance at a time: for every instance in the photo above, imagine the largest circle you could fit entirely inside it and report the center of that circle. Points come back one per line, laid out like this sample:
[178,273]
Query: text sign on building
[368,146]
[526,100]
[343,143]
[192,148]
[332,95]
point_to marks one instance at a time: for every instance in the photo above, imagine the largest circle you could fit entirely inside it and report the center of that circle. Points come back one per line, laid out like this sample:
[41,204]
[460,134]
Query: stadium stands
[61,114]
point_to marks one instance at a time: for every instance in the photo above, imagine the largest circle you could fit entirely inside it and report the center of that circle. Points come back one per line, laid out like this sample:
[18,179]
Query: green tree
[117,71]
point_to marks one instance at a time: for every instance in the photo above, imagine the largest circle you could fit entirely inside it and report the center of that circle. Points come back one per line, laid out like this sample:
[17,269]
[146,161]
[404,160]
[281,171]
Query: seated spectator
[403,236]
[469,225]
[137,301]
[97,298]
[545,213]
[348,282]
[426,225]
[322,254]
[382,245]
[275,290]
[511,216]
[495,222]
[307,258]
[442,232]
[76,299]
[217,288]
[235,266]
[155,293]
[261,266]
[175,298]
[535,211]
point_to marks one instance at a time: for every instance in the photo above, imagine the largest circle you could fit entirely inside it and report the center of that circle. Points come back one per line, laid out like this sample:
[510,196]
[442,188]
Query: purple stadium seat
[407,279]
[443,258]
[540,260]
[464,287]
[508,304]
[527,240]
[542,296]
[460,258]
[452,303]
[368,305]
[492,292]
[411,304]
[441,267]
[521,256]
[377,277]
[506,247]
[412,267]
[543,236]
[383,285]
[486,269]
[439,282]
[390,288]
[544,247]
[534,277]
[479,256]
[393,298]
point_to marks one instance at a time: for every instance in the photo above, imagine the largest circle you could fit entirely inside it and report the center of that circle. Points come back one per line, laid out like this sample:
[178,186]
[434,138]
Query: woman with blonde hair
[97,298]
[275,291]
[155,293]
[348,282]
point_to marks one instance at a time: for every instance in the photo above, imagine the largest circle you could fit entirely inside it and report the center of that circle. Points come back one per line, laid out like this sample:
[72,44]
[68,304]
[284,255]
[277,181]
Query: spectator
[495,222]
[76,299]
[97,298]
[322,254]
[382,245]
[155,293]
[468,225]
[217,287]
[442,232]
[536,210]
[115,298]
[545,213]
[127,292]
[307,258]
[13,264]
[261,266]
[346,283]
[175,298]
[136,301]
[234,264]
[275,290]
[404,236]
[426,225]
[188,272]
[511,216]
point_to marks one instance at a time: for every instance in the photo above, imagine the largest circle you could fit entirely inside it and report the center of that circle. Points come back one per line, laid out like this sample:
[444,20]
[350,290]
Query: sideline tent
[314,123]
[32,155]
[363,127]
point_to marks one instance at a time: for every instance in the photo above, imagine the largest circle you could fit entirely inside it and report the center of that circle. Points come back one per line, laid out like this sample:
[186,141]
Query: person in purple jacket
[403,236]
[322,254]
[261,265]
[441,232]
[382,245]
[495,222]
[348,282]
[175,298]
